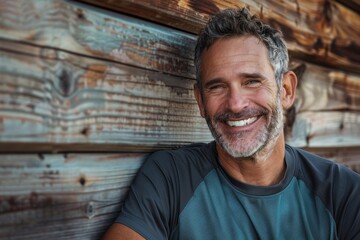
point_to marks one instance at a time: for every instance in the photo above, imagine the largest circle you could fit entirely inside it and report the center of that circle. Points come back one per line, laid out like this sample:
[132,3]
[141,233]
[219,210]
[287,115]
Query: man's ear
[289,84]
[197,93]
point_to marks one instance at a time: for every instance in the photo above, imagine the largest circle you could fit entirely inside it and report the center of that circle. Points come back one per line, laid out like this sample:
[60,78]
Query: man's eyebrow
[212,82]
[252,75]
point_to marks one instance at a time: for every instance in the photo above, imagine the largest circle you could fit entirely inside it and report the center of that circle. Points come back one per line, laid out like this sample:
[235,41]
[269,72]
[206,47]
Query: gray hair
[232,23]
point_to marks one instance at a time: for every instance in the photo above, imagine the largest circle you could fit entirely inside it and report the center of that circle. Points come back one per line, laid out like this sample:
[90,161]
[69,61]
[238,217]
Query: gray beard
[263,142]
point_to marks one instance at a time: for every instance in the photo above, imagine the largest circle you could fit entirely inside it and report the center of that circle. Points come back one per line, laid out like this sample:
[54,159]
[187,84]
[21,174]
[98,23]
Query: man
[248,184]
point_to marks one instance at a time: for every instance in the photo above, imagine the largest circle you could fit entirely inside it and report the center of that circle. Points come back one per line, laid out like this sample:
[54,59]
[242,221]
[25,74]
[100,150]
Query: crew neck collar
[259,190]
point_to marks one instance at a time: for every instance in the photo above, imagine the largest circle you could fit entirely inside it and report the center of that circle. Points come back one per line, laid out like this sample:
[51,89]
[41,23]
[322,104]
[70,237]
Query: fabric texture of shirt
[185,194]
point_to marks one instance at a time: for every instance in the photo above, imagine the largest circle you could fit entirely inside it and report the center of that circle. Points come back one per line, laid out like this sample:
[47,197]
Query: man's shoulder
[320,171]
[194,151]
[201,156]
[306,157]
[304,154]
[336,185]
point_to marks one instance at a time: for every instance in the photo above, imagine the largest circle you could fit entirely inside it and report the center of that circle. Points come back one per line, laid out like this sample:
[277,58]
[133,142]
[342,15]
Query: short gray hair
[239,22]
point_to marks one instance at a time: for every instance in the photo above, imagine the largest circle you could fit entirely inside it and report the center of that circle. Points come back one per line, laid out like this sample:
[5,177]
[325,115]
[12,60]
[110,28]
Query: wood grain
[352,4]
[68,98]
[63,25]
[326,89]
[56,196]
[327,108]
[80,75]
[325,128]
[318,31]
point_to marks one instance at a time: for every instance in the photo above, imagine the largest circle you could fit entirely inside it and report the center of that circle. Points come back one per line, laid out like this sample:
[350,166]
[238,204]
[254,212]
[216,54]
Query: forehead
[245,54]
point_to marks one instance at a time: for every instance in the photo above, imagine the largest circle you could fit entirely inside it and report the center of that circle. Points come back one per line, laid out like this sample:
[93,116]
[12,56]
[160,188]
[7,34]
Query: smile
[242,123]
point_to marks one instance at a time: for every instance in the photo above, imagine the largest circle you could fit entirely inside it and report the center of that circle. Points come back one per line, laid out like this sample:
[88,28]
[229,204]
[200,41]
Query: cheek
[268,98]
[212,106]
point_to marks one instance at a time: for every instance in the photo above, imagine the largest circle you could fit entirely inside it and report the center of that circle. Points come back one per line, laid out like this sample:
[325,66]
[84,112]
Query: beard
[239,145]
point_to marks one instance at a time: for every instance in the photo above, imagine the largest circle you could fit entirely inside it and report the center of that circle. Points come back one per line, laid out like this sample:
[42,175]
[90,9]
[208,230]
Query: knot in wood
[90,210]
[82,181]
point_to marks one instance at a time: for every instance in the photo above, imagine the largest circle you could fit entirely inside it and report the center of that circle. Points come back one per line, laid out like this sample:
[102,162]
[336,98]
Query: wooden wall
[89,88]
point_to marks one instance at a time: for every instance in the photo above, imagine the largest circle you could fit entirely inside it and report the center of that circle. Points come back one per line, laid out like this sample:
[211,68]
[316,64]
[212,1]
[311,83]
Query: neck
[265,169]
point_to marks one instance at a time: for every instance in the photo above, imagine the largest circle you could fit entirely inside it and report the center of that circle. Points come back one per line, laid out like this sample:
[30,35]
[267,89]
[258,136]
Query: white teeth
[241,122]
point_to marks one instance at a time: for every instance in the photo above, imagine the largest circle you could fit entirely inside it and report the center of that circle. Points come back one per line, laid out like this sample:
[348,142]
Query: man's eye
[253,82]
[215,87]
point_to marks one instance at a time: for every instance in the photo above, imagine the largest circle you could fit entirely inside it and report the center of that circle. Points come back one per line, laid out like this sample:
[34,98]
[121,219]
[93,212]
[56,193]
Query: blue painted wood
[78,75]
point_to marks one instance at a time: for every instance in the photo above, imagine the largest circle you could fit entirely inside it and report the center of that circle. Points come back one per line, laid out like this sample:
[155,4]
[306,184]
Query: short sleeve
[147,208]
[346,195]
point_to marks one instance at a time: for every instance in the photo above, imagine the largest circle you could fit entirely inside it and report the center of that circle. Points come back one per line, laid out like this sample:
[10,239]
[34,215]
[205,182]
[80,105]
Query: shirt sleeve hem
[138,226]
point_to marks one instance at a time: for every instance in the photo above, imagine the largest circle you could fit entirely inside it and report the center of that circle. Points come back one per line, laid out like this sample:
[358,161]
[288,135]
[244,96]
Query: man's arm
[121,232]
[146,211]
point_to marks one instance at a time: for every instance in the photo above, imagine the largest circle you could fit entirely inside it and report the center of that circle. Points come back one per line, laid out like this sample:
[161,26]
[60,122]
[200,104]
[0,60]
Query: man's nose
[237,100]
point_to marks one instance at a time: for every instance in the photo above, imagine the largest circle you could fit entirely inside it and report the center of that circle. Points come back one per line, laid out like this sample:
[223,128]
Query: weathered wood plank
[69,98]
[99,34]
[327,108]
[57,31]
[52,196]
[352,4]
[325,89]
[318,31]
[325,128]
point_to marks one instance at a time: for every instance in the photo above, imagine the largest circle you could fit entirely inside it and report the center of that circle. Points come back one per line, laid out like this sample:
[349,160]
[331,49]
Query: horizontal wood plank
[326,112]
[325,128]
[325,89]
[318,31]
[352,4]
[57,196]
[63,25]
[68,98]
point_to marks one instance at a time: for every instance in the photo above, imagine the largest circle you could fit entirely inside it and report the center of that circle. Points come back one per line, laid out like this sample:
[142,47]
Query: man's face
[239,97]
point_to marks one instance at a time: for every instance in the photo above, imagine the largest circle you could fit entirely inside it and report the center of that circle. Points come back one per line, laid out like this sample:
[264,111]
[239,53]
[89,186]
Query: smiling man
[247,184]
[242,104]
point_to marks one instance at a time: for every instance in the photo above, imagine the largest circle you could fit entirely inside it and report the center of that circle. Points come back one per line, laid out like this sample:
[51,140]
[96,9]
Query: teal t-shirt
[185,194]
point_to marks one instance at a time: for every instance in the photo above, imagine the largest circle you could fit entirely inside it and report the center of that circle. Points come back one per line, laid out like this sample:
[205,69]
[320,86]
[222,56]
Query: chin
[238,147]
[240,152]
[259,148]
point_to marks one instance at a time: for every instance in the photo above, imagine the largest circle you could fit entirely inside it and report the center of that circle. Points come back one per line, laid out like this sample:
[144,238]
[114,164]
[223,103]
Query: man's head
[242,83]
[233,23]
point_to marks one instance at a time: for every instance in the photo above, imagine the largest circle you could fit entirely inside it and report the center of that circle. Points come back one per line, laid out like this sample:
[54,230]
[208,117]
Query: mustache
[246,113]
